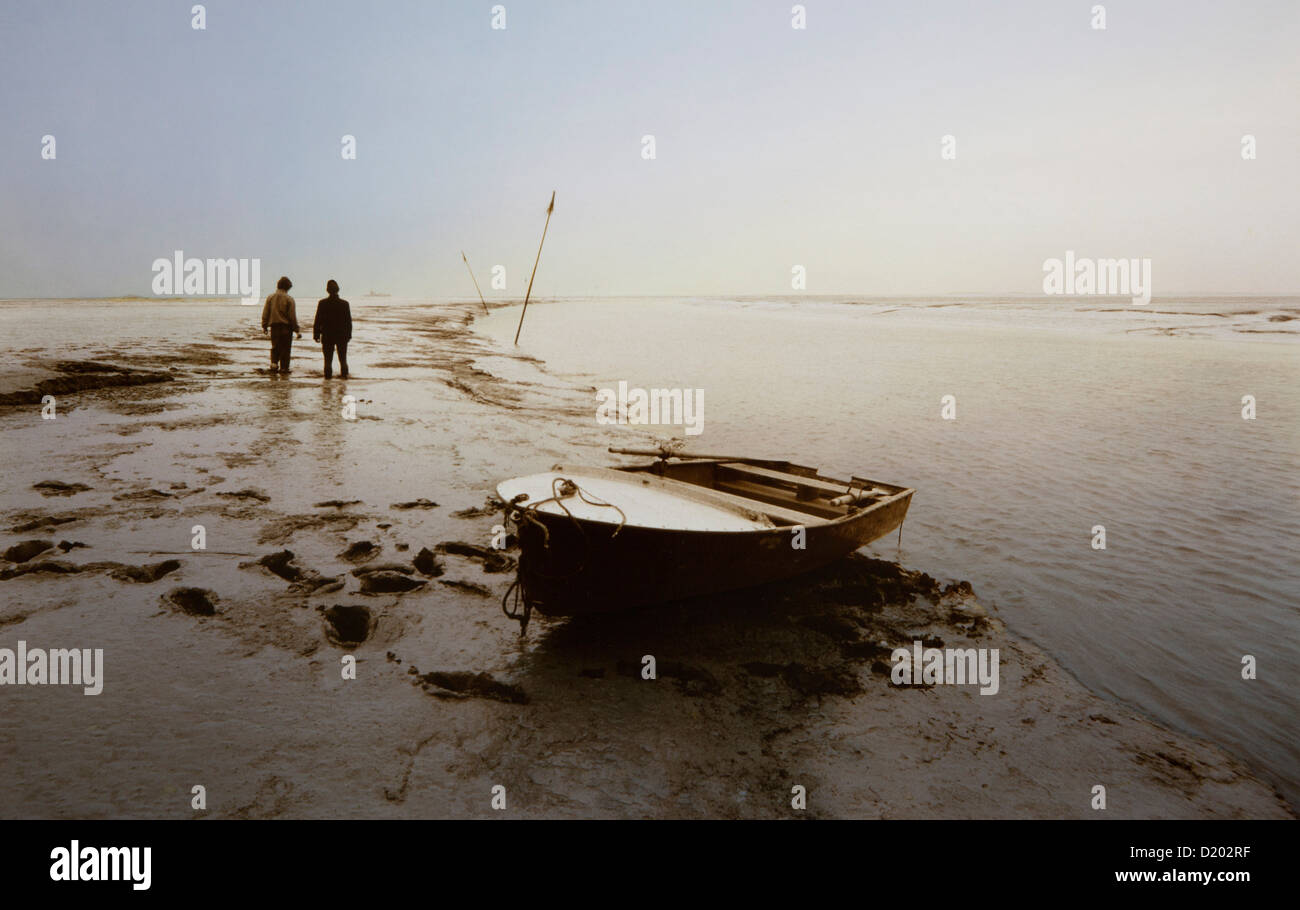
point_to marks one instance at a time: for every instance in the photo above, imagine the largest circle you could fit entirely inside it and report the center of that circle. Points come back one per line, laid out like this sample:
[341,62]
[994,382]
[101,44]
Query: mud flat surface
[331,540]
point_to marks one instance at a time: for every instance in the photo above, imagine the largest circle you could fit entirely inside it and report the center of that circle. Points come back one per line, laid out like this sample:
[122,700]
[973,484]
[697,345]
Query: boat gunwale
[702,494]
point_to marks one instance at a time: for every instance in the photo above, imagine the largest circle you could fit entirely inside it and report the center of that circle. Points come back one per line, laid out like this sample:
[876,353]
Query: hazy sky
[775,146]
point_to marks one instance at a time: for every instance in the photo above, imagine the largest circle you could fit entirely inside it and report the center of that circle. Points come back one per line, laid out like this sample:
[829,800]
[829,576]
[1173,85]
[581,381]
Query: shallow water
[1069,414]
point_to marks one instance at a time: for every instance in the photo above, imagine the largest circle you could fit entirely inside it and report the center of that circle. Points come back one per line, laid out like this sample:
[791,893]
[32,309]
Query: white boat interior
[645,500]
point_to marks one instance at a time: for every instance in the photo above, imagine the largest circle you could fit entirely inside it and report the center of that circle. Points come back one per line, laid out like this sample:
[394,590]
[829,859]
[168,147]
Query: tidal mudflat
[330,539]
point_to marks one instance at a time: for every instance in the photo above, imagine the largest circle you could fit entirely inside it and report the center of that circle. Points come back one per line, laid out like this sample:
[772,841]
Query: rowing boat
[598,539]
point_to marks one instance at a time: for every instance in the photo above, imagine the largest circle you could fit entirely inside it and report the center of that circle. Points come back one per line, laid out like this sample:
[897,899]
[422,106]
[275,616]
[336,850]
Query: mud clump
[415,504]
[300,579]
[690,680]
[427,564]
[336,503]
[80,376]
[282,529]
[21,552]
[59,488]
[866,597]
[492,561]
[865,650]
[69,545]
[46,567]
[467,586]
[837,627]
[45,521]
[959,589]
[348,626]
[192,601]
[143,496]
[280,564]
[808,680]
[250,493]
[472,685]
[821,680]
[491,507]
[85,366]
[147,573]
[361,551]
[389,583]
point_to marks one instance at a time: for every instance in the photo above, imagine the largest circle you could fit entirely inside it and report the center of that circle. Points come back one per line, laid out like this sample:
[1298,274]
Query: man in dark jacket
[332,327]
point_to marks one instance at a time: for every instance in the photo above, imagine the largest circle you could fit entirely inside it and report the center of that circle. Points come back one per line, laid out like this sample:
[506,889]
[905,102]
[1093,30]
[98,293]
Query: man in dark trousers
[332,327]
[280,316]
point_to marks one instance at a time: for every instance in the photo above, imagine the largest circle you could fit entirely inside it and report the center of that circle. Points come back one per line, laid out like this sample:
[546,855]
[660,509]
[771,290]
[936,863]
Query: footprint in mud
[22,552]
[361,551]
[192,601]
[401,567]
[348,626]
[389,583]
[59,488]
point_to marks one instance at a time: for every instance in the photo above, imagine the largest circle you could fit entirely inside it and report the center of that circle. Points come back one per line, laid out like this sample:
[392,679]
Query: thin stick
[550,208]
[475,280]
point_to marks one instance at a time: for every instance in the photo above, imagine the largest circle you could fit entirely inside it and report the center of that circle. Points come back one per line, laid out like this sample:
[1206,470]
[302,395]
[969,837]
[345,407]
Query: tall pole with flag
[550,208]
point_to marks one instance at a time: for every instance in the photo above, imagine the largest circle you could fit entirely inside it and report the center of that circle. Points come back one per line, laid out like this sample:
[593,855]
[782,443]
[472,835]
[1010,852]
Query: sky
[775,147]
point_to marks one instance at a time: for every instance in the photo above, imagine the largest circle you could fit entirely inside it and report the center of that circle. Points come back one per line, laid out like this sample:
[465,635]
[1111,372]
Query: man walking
[332,327]
[280,316]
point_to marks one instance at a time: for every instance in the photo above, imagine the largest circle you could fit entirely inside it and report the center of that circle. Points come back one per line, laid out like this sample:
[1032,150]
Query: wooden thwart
[812,483]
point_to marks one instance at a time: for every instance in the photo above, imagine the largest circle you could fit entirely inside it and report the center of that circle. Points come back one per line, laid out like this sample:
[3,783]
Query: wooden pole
[475,280]
[550,208]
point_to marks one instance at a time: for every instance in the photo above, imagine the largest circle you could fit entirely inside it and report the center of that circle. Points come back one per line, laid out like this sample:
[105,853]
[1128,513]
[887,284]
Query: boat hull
[576,567]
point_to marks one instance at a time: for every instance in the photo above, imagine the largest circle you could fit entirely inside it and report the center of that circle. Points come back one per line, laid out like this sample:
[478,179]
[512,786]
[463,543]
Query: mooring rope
[561,488]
